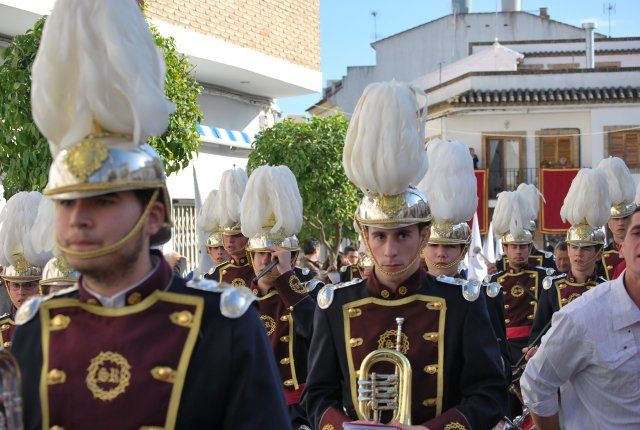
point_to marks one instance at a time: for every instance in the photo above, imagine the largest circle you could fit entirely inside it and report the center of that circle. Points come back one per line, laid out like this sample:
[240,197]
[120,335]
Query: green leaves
[24,152]
[313,152]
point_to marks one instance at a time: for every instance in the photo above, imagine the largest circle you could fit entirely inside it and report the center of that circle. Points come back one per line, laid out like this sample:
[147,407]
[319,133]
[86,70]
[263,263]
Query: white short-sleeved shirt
[592,354]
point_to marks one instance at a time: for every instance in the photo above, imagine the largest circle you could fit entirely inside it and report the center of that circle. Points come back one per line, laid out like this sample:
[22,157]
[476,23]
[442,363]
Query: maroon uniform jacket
[609,262]
[457,370]
[563,290]
[168,359]
[237,273]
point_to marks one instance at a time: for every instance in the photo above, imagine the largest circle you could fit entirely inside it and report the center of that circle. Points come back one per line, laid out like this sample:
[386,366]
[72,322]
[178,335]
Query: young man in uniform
[457,377]
[272,198]
[451,173]
[131,346]
[621,193]
[237,271]
[23,265]
[585,241]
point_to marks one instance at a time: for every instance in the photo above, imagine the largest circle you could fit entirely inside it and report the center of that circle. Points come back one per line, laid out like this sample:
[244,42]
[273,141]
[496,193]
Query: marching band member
[448,341]
[131,346]
[209,224]
[537,258]
[236,271]
[586,208]
[271,215]
[22,262]
[451,173]
[621,192]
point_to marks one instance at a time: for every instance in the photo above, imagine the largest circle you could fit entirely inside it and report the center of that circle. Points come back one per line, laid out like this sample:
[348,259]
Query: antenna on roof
[374,15]
[609,8]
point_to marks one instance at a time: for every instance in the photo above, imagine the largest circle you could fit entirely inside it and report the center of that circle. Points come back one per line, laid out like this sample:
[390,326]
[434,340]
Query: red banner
[483,200]
[554,186]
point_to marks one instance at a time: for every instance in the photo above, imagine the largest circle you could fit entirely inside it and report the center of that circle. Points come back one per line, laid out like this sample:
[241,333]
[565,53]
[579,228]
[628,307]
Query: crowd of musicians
[105,333]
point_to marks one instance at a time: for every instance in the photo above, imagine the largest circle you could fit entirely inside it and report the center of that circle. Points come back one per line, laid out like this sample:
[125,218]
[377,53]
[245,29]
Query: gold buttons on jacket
[434,306]
[431,369]
[354,312]
[285,361]
[284,339]
[6,344]
[402,290]
[529,317]
[288,383]
[430,402]
[56,376]
[224,271]
[284,318]
[163,373]
[506,307]
[355,341]
[384,294]
[532,302]
[134,298]
[183,318]
[431,337]
[59,322]
[5,327]
[507,321]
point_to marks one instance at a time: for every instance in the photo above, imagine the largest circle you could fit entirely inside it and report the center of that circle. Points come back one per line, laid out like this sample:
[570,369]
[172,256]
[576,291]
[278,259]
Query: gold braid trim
[87,255]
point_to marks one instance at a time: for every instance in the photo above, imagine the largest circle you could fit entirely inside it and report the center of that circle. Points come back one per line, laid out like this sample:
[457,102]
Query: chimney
[511,6]
[544,13]
[589,28]
[460,6]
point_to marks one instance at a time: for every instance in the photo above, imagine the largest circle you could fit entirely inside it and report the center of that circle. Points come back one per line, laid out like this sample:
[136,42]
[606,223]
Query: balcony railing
[509,179]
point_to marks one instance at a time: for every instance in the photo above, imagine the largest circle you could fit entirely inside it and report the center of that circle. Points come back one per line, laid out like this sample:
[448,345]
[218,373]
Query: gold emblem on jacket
[269,324]
[238,282]
[108,375]
[517,291]
[387,340]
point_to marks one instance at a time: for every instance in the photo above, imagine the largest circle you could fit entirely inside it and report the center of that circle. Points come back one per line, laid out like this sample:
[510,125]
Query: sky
[347,28]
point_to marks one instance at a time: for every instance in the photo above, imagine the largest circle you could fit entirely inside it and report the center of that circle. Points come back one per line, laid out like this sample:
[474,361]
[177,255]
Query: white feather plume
[18,218]
[587,199]
[98,61]
[384,147]
[511,214]
[533,196]
[207,219]
[621,184]
[450,184]
[232,187]
[42,234]
[272,192]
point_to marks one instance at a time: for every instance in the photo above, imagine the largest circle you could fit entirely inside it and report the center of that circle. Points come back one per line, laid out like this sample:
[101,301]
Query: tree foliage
[313,152]
[24,151]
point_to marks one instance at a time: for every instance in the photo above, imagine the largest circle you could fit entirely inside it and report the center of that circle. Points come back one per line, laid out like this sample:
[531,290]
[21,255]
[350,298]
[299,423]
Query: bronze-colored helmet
[394,211]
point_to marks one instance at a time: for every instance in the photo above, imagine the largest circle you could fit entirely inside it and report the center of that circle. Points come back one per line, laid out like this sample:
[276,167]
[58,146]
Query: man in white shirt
[592,354]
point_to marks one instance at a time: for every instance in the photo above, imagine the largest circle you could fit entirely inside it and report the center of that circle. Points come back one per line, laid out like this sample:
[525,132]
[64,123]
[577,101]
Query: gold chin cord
[378,266]
[455,262]
[87,255]
[386,392]
[11,381]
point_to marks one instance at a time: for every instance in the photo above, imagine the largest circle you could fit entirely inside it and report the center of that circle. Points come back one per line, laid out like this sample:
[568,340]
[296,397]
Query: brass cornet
[386,392]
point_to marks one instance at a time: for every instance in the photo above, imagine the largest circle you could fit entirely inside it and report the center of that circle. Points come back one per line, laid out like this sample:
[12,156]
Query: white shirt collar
[118,299]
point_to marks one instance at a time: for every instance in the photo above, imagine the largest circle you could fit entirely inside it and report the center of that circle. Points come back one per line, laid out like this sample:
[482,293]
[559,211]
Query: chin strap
[455,262]
[87,255]
[377,265]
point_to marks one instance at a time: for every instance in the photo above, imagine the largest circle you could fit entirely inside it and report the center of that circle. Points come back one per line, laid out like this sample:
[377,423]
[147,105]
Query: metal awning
[224,137]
